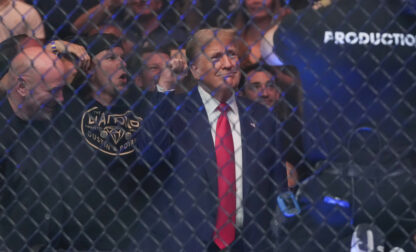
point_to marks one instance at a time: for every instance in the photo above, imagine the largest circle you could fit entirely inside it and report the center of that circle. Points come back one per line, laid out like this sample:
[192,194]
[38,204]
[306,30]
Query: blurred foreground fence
[77,182]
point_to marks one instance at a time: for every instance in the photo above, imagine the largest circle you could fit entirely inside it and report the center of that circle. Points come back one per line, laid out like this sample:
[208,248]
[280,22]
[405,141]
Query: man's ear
[22,87]
[195,71]
[92,67]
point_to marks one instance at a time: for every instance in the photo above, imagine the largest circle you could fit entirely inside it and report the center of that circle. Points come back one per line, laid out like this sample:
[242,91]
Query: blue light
[288,204]
[336,201]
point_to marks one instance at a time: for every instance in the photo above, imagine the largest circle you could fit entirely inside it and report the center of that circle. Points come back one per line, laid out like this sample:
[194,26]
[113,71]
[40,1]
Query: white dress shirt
[211,105]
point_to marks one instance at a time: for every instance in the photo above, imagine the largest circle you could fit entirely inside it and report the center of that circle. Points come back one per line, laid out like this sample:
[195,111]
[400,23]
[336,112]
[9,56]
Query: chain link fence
[123,156]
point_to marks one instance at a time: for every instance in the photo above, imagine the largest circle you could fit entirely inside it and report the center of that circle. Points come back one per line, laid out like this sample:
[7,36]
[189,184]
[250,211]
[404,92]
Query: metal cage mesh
[328,166]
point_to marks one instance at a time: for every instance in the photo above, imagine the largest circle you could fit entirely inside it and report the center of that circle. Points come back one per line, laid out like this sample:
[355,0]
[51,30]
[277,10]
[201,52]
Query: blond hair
[204,36]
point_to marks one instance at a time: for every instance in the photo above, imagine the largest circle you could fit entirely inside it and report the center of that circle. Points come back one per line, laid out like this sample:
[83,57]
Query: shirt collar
[211,103]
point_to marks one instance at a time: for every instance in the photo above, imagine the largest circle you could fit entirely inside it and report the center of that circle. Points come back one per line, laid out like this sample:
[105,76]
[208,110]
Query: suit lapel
[247,128]
[198,123]
[195,115]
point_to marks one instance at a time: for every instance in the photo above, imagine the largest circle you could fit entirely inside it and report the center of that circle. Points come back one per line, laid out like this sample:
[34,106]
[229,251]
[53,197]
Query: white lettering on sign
[369,38]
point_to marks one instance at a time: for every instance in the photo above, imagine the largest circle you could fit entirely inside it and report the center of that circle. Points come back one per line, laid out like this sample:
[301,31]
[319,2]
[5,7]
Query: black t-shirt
[106,185]
[30,183]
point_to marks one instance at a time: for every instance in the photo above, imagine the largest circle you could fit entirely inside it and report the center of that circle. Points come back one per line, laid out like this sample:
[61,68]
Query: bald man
[30,183]
[35,84]
[9,49]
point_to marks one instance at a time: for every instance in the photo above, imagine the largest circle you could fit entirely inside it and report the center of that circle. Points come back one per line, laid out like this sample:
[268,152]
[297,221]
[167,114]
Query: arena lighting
[336,201]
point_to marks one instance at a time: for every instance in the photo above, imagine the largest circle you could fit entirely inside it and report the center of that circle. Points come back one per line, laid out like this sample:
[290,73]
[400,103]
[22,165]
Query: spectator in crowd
[207,13]
[56,17]
[103,193]
[219,148]
[92,83]
[261,85]
[72,55]
[30,183]
[148,65]
[65,48]
[173,76]
[286,9]
[280,90]
[77,62]
[127,44]
[152,61]
[35,98]
[74,58]
[254,19]
[145,30]
[9,48]
[17,18]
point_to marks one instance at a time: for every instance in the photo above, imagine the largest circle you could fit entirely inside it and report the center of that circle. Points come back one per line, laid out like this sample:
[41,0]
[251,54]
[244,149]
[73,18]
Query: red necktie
[224,234]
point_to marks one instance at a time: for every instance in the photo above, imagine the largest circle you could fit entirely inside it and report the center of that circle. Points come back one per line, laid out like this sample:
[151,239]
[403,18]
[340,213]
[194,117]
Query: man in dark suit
[216,159]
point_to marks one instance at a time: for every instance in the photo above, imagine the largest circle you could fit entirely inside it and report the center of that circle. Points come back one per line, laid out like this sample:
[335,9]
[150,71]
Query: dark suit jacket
[178,144]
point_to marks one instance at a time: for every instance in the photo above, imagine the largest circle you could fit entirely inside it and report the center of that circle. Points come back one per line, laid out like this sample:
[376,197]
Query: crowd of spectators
[110,119]
[98,75]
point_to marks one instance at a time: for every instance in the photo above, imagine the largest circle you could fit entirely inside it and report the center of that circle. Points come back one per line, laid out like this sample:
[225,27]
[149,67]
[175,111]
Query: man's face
[45,92]
[261,87]
[145,7]
[110,71]
[217,66]
[154,63]
[258,8]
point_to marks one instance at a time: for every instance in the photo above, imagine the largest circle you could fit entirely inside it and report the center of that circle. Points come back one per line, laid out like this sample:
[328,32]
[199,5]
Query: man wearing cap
[97,151]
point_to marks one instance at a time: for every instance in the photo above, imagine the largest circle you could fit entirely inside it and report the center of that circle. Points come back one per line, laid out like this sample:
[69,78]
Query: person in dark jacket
[30,178]
[221,157]
[280,89]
